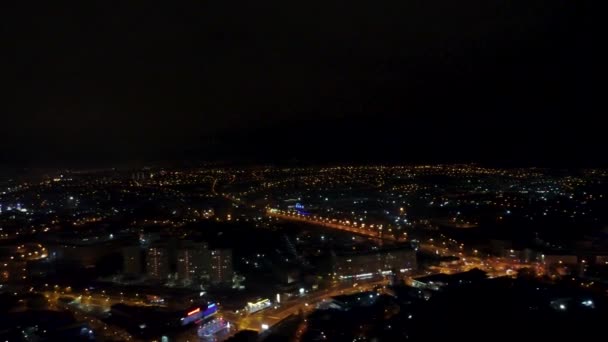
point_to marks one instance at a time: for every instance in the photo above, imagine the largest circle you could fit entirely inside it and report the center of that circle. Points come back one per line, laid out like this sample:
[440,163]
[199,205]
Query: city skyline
[217,251]
[402,170]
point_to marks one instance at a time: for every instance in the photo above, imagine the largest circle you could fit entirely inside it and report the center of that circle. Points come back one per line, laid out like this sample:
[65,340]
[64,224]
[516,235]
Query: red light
[197,310]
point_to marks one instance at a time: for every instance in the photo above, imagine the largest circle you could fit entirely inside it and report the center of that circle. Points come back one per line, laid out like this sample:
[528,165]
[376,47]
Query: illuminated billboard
[196,315]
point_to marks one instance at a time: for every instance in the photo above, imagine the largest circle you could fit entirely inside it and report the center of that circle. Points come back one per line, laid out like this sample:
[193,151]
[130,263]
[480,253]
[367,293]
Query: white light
[265,326]
[562,307]
[302,290]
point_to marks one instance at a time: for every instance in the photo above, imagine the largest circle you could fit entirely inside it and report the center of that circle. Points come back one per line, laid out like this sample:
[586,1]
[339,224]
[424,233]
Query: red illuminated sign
[195,311]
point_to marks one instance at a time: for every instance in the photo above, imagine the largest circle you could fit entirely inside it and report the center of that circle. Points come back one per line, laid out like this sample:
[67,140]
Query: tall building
[221,266]
[157,263]
[192,262]
[132,260]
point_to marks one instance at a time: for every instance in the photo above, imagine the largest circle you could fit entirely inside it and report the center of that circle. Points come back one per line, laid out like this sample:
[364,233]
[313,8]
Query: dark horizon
[492,82]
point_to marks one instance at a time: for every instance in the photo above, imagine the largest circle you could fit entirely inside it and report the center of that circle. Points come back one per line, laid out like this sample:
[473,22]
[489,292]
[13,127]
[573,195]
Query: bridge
[376,232]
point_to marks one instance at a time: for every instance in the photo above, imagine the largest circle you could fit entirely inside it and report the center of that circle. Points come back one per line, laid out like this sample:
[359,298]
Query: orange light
[197,310]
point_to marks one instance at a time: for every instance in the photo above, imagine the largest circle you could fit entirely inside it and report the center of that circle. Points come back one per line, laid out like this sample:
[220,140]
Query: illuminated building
[198,315]
[221,266]
[257,305]
[157,263]
[373,263]
[139,176]
[193,262]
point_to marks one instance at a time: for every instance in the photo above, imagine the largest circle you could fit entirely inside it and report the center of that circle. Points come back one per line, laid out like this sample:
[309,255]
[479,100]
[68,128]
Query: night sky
[491,81]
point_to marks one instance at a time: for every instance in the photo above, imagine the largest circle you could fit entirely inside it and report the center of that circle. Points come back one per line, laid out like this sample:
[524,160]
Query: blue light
[211,310]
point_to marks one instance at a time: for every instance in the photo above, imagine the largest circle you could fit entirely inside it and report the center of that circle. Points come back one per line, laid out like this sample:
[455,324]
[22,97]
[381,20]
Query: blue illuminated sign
[211,309]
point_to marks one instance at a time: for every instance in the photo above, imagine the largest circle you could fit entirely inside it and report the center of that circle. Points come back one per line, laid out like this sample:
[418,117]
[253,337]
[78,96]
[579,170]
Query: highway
[273,315]
[306,303]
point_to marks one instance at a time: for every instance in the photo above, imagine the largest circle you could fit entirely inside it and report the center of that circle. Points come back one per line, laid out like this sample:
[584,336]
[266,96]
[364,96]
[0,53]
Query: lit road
[307,303]
[371,231]
[273,315]
[213,184]
[89,311]
[90,299]
[467,259]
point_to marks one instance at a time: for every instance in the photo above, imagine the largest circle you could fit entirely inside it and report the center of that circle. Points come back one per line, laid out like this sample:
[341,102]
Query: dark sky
[495,81]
